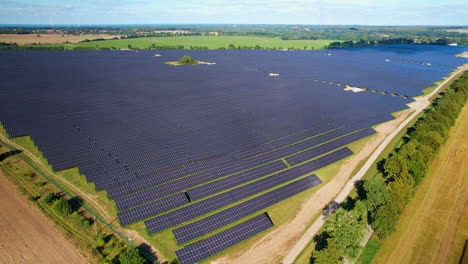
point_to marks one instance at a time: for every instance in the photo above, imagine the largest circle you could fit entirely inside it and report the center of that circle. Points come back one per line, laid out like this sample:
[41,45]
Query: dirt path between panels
[26,236]
[427,229]
[285,243]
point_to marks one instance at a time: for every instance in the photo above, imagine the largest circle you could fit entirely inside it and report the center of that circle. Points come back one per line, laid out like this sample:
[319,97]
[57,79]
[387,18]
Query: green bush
[130,255]
[187,60]
[39,184]
[63,206]
[50,198]
[85,223]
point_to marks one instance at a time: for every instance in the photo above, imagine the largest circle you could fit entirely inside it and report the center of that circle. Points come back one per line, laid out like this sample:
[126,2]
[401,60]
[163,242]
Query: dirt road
[28,237]
[441,203]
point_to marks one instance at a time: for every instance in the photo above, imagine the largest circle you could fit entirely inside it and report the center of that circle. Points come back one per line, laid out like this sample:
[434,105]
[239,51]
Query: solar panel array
[215,221]
[198,138]
[213,245]
[197,209]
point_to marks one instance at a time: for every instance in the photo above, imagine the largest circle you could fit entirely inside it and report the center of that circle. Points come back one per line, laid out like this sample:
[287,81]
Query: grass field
[212,42]
[434,226]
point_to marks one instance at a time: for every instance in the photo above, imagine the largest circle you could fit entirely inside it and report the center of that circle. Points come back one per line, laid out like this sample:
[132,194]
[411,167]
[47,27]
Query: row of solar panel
[136,199]
[327,147]
[197,209]
[237,212]
[211,246]
[184,183]
[159,206]
[228,182]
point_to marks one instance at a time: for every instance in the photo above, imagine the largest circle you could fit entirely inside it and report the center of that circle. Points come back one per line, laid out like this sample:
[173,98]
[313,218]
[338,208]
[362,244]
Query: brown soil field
[28,39]
[26,236]
[434,226]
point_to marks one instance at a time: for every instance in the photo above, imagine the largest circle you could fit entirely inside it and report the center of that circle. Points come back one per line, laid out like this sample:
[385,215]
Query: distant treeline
[363,43]
[371,43]
[382,199]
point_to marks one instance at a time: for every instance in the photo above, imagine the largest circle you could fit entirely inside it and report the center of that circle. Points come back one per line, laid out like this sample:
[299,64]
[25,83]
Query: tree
[385,219]
[417,166]
[432,140]
[187,60]
[328,255]
[131,255]
[401,191]
[348,227]
[376,192]
[408,149]
[394,166]
[63,206]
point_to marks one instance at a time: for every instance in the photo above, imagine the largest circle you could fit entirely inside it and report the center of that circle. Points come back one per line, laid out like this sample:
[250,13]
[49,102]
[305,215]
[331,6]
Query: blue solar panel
[210,246]
[154,208]
[215,221]
[181,215]
[234,180]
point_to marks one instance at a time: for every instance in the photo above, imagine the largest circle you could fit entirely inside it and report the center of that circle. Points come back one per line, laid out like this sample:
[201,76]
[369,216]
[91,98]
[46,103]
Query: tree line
[370,43]
[382,199]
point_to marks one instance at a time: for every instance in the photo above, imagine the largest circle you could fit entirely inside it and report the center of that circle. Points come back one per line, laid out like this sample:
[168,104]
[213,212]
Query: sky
[322,12]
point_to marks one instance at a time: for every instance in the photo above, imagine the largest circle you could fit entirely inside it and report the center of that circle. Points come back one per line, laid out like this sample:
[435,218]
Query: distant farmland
[212,42]
[28,39]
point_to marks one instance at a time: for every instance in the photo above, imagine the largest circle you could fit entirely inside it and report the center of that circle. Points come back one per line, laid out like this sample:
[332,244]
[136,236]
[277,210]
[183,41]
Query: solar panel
[197,209]
[150,209]
[211,188]
[215,221]
[327,147]
[211,246]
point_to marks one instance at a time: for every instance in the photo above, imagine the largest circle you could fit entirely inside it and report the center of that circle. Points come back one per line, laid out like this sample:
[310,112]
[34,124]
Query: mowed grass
[212,42]
[434,226]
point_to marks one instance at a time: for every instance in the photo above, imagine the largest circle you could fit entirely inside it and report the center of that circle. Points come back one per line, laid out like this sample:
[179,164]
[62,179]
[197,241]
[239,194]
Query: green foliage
[348,227]
[433,140]
[63,206]
[417,166]
[329,255]
[364,43]
[175,261]
[406,168]
[84,48]
[131,255]
[85,223]
[100,240]
[376,192]
[49,198]
[394,166]
[384,220]
[187,60]
[39,184]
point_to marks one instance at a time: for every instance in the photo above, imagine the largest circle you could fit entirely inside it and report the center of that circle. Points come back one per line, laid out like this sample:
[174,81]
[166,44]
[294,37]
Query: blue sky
[356,12]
